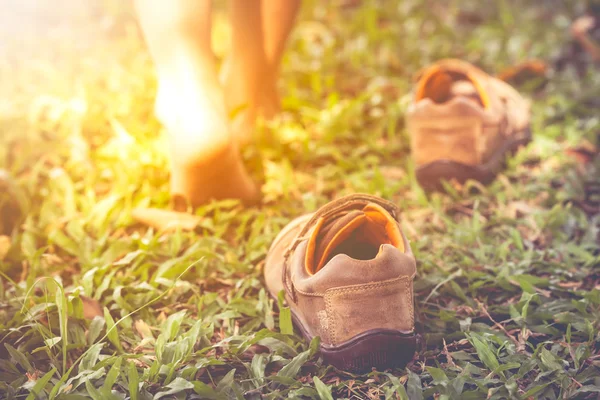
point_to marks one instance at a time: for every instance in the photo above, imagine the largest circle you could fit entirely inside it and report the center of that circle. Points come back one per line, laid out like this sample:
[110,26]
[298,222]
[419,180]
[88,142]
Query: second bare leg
[260,30]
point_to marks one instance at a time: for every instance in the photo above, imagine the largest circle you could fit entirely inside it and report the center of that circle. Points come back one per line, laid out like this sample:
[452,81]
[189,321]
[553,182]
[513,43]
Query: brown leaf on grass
[165,220]
[145,332]
[584,153]
[162,317]
[519,209]
[143,329]
[524,72]
[33,376]
[390,172]
[523,337]
[570,285]
[91,308]
[449,359]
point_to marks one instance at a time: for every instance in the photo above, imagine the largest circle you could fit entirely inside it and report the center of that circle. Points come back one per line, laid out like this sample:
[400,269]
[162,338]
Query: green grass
[508,285]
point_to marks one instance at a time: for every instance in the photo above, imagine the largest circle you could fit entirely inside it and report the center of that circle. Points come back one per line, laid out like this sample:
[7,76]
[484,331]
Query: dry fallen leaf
[392,173]
[584,153]
[519,209]
[524,72]
[91,308]
[570,285]
[143,329]
[165,220]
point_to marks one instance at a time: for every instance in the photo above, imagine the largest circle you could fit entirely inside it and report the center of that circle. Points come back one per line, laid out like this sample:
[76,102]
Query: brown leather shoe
[347,274]
[463,123]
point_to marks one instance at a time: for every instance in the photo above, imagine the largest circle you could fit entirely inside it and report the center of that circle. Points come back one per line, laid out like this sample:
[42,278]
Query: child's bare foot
[206,163]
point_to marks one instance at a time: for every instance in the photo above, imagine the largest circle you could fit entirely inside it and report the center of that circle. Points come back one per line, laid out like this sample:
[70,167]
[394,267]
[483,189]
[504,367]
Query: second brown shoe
[347,274]
[463,123]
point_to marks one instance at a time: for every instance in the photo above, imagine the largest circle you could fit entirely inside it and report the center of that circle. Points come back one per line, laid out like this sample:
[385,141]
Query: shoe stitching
[324,324]
[309,294]
[408,289]
[336,292]
[331,328]
[360,287]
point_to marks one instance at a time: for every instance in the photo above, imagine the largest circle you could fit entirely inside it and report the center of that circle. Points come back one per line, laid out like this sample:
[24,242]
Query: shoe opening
[358,234]
[441,85]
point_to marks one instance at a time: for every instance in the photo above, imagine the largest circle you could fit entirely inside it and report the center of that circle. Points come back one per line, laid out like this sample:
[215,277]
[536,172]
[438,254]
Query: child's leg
[278,20]
[205,161]
[260,30]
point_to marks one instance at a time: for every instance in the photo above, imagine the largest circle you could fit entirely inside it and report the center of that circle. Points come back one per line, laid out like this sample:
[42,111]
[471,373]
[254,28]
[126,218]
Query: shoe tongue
[368,229]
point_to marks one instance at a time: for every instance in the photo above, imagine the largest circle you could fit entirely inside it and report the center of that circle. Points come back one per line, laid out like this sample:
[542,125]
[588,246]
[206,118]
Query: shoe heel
[431,175]
[380,349]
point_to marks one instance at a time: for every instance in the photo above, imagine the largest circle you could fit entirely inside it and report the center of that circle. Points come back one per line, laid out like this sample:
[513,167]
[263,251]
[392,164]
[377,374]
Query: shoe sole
[431,175]
[378,348]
